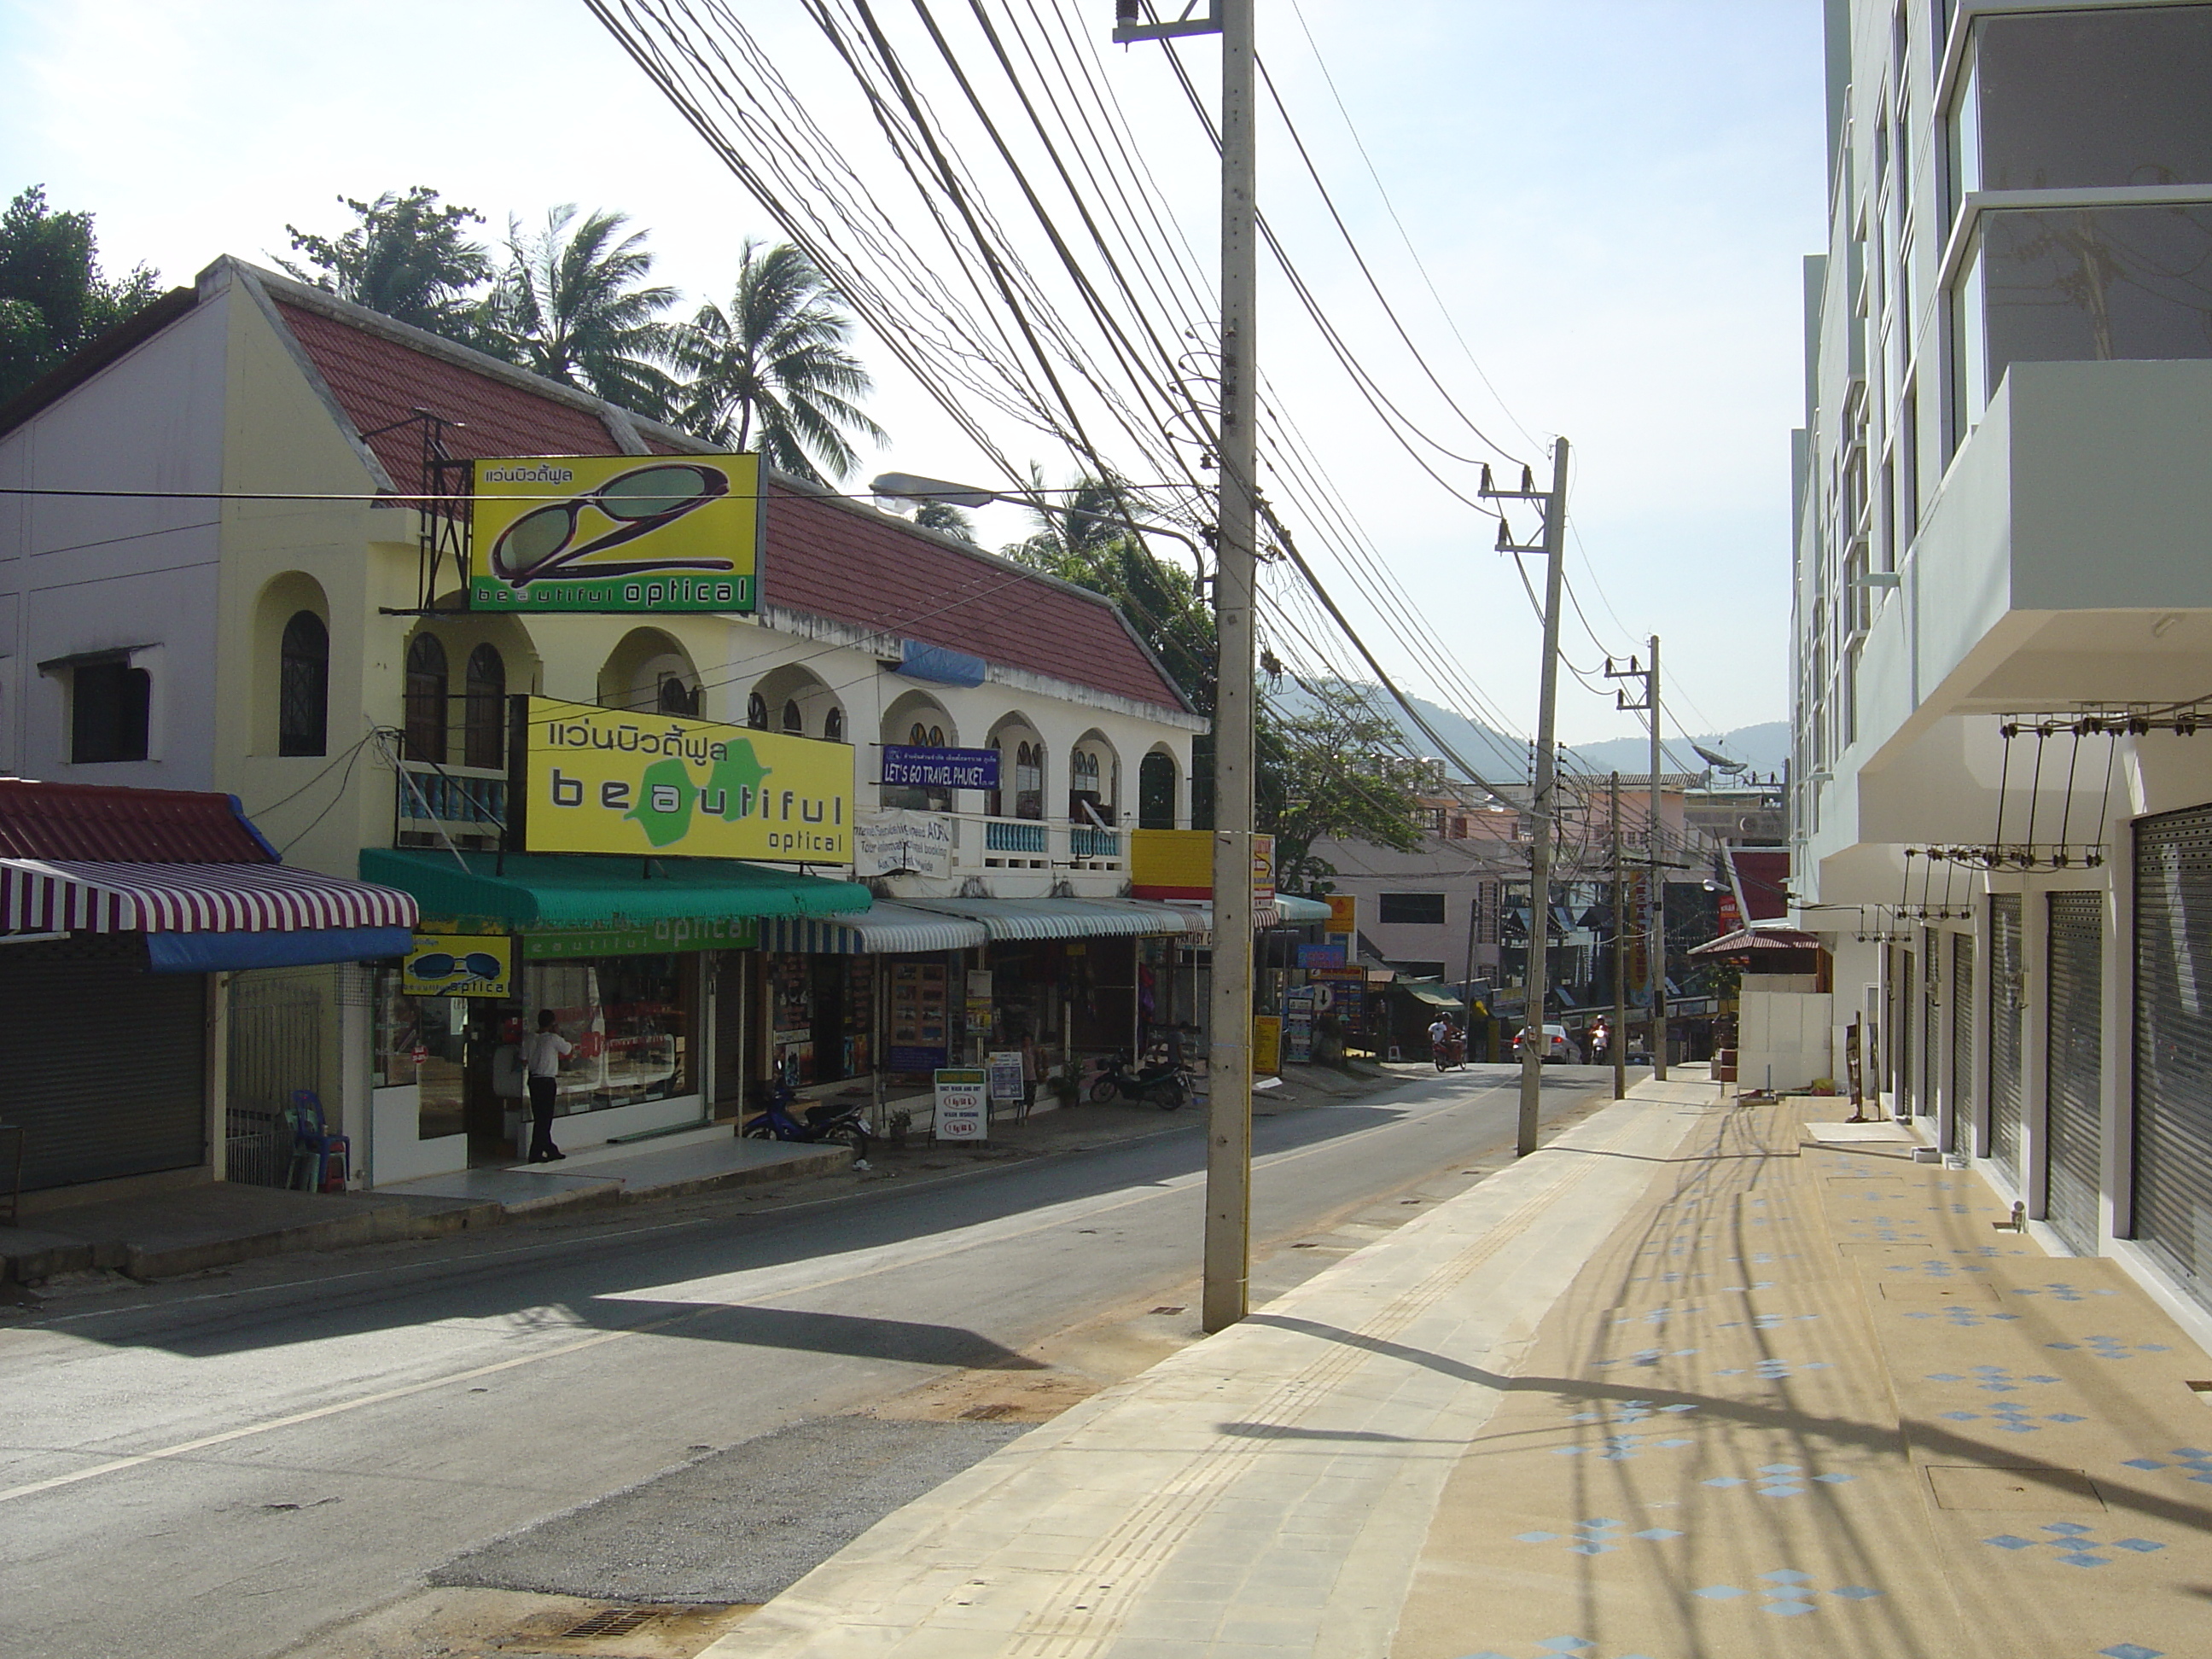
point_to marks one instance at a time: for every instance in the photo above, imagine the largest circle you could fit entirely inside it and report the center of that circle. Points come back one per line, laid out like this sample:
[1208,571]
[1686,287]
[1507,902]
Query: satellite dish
[1718,762]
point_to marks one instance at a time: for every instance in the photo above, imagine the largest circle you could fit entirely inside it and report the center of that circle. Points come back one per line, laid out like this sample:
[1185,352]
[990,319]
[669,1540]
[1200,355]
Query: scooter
[830,1120]
[1450,1054]
[1167,1087]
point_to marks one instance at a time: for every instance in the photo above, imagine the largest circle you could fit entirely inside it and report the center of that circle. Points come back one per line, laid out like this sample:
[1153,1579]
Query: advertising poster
[610,780]
[1005,1066]
[963,1104]
[899,842]
[607,533]
[459,965]
[1266,1045]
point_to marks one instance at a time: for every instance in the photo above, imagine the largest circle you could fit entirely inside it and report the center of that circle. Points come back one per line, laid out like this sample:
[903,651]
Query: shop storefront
[127,914]
[640,996]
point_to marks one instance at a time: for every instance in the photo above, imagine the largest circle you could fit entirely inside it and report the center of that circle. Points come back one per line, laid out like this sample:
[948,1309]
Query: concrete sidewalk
[1691,1381]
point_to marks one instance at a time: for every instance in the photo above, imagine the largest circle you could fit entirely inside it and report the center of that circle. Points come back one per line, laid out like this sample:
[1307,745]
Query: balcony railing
[1087,844]
[1016,843]
[465,803]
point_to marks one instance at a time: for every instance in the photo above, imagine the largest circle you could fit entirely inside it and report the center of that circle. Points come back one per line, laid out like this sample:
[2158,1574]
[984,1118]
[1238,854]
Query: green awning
[1432,994]
[576,891]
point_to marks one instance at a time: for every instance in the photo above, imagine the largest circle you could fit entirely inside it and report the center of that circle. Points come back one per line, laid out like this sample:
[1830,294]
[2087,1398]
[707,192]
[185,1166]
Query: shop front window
[630,1019]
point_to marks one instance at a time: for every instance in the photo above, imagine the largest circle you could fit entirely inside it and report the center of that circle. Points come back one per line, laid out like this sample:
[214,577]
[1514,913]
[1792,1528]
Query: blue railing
[446,798]
[1086,841]
[1001,837]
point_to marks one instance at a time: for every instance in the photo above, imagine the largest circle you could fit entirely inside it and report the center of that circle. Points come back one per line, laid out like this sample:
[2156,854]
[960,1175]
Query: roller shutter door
[1962,1042]
[2004,1032]
[107,1072]
[2074,1071]
[2173,1041]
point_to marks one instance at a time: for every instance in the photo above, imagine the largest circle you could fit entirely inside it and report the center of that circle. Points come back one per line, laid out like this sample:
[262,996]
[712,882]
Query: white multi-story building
[2002,635]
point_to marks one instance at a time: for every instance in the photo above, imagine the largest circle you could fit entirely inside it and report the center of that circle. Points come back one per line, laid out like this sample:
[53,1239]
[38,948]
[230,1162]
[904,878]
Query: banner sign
[459,965]
[661,938]
[963,1105]
[901,843]
[609,781]
[908,768]
[1321,956]
[615,533]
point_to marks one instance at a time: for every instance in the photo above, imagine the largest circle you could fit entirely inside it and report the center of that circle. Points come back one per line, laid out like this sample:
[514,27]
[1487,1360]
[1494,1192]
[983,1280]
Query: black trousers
[540,1120]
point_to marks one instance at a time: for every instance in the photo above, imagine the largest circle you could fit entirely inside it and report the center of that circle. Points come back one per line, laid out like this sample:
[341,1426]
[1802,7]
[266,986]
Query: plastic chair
[314,1146]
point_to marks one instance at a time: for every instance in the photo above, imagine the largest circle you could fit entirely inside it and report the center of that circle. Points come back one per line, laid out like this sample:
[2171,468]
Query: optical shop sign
[615,533]
[608,781]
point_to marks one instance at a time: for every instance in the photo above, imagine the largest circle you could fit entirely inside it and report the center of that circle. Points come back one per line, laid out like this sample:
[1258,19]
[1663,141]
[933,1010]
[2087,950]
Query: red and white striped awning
[47,895]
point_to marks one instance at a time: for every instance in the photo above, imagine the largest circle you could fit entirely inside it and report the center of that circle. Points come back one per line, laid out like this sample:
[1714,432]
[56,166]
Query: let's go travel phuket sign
[610,780]
[615,533]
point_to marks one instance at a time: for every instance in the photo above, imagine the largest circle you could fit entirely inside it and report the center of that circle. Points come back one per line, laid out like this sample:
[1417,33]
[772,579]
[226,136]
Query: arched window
[1083,788]
[426,699]
[484,715]
[1156,792]
[833,726]
[303,692]
[927,737]
[1028,781]
[795,721]
[757,712]
[677,698]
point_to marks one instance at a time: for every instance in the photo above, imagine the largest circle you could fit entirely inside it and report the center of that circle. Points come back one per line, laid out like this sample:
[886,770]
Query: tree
[574,304]
[410,257]
[1325,763]
[775,371]
[946,520]
[53,299]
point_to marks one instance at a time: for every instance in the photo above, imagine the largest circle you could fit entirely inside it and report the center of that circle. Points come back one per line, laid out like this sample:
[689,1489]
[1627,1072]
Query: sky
[1612,198]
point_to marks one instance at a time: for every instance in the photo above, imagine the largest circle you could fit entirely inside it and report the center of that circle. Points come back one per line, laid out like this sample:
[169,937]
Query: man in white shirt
[543,1051]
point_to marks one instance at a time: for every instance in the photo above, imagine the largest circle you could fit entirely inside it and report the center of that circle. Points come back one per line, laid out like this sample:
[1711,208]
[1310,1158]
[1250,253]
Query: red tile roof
[102,824]
[378,381]
[860,567]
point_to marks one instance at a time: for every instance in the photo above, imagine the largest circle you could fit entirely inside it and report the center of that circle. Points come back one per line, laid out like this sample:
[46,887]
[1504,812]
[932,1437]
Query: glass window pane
[2080,284]
[2090,98]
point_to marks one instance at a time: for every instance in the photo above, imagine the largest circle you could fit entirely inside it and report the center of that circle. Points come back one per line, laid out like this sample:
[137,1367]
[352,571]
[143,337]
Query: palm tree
[774,372]
[573,305]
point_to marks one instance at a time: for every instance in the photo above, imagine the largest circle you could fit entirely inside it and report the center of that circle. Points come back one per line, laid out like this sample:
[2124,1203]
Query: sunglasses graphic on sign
[477,964]
[542,542]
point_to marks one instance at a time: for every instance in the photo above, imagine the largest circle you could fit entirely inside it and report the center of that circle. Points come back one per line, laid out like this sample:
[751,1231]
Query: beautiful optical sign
[615,533]
[610,780]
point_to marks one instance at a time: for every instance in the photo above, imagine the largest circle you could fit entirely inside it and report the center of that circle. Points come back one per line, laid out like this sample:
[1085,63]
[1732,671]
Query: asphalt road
[222,1467]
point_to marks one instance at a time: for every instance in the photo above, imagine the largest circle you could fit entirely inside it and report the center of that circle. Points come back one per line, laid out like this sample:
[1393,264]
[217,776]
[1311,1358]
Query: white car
[1559,1047]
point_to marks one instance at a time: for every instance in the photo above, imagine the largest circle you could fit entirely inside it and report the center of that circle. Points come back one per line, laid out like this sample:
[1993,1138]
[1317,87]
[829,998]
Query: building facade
[2002,629]
[222,579]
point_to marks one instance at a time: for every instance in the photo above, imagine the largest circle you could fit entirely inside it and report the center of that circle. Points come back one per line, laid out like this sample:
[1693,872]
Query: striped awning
[888,929]
[47,895]
[1063,918]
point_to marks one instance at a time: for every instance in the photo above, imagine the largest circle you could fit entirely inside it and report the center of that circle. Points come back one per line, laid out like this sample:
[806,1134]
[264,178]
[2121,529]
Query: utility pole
[1534,1044]
[1228,1254]
[1656,954]
[1618,1045]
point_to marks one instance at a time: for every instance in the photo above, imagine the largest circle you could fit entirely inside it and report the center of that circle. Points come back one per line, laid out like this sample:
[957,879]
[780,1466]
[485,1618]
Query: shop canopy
[1432,994]
[1066,918]
[1296,912]
[886,929]
[1284,911]
[582,890]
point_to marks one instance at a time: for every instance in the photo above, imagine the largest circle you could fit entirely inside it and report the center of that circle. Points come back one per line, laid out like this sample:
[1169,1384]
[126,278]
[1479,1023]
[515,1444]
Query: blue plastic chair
[314,1146]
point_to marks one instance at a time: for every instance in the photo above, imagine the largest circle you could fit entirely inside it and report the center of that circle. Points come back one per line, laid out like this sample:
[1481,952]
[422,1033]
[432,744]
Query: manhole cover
[615,1621]
[1966,1487]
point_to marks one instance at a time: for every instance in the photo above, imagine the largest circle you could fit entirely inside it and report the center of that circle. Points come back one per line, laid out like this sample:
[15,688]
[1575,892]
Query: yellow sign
[1343,913]
[1263,870]
[615,533]
[1178,864]
[459,965]
[1266,1045]
[610,780]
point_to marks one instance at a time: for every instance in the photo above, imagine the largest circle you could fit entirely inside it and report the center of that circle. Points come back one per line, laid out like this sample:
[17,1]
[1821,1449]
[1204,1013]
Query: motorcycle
[1450,1054]
[1167,1087]
[828,1120]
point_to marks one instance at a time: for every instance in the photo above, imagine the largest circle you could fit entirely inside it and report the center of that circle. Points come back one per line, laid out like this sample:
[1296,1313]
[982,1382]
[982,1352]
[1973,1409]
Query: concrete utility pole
[1619,1037]
[1656,899]
[1545,807]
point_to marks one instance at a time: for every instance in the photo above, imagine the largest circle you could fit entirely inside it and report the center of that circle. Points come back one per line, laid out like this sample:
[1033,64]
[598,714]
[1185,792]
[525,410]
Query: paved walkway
[1692,1382]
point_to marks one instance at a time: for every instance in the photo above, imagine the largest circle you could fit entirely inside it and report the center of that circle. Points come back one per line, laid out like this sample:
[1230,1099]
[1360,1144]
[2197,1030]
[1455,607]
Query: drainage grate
[615,1621]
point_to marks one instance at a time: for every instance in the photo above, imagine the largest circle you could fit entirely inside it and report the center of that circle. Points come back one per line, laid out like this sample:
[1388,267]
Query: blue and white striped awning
[1064,918]
[887,929]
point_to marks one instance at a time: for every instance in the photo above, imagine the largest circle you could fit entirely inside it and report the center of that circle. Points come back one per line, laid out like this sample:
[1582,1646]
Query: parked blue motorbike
[841,1121]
